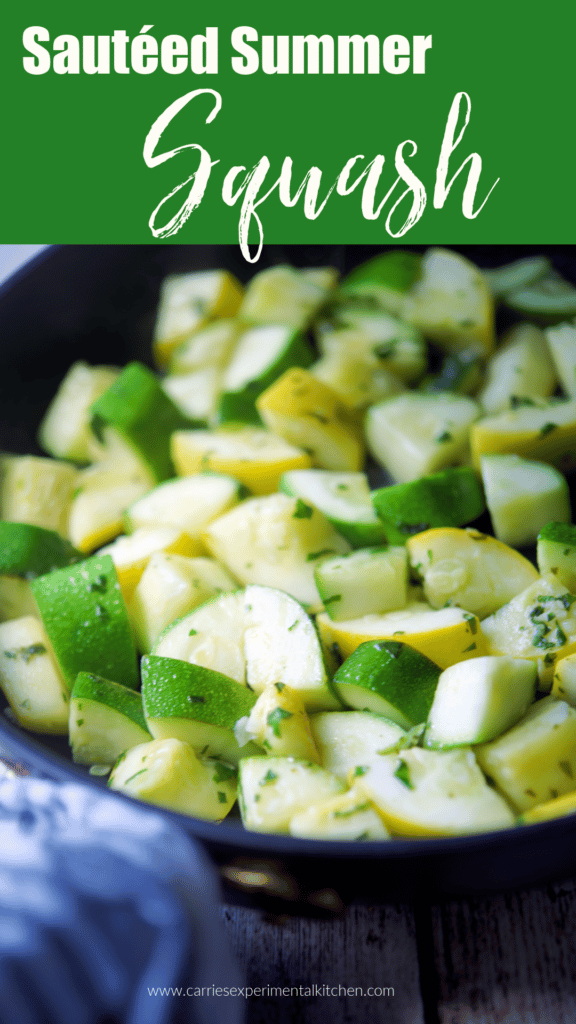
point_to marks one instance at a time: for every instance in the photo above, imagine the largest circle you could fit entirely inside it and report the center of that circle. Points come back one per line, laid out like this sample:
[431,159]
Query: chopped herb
[560,636]
[566,768]
[26,653]
[194,698]
[402,773]
[399,632]
[79,722]
[342,487]
[257,798]
[136,774]
[294,624]
[332,600]
[302,510]
[547,429]
[193,632]
[363,836]
[222,797]
[516,401]
[537,610]
[413,738]
[336,653]
[268,778]
[471,620]
[98,586]
[280,686]
[538,638]
[567,600]
[554,793]
[360,770]
[266,745]
[26,705]
[313,555]
[76,492]
[548,660]
[530,792]
[430,555]
[223,772]
[472,647]
[385,351]
[275,717]
[444,436]
[351,811]
[204,749]
[316,416]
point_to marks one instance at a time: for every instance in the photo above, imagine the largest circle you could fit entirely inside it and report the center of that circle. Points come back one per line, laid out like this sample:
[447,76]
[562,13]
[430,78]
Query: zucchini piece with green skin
[417,434]
[433,793]
[136,407]
[65,429]
[195,704]
[275,541]
[344,498]
[168,773]
[172,586]
[31,678]
[365,582]
[523,496]
[261,356]
[450,498]
[255,636]
[477,700]
[271,790]
[85,617]
[517,275]
[189,502]
[535,760]
[106,718]
[385,278]
[29,551]
[550,298]
[556,549]
[390,678]
[348,741]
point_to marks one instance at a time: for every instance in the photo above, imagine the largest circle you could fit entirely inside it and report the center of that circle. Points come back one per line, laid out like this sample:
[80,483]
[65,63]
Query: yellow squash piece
[254,456]
[557,808]
[545,434]
[37,491]
[132,554]
[310,414]
[445,636]
[468,569]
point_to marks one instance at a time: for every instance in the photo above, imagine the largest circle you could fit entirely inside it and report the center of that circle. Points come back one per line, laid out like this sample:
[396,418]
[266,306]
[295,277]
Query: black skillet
[97,303]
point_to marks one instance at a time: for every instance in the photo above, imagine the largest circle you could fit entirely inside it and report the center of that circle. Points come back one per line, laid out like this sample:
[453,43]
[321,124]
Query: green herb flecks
[275,717]
[302,510]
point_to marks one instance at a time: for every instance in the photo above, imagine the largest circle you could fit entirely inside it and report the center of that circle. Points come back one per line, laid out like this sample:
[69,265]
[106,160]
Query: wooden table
[509,959]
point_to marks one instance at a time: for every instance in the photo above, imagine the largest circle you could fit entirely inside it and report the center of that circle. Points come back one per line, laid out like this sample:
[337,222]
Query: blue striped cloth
[101,905]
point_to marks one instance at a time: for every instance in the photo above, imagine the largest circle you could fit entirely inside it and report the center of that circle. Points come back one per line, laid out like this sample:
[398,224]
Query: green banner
[303,123]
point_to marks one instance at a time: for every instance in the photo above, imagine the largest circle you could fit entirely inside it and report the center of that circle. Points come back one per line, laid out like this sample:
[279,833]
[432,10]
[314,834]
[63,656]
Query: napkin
[108,914]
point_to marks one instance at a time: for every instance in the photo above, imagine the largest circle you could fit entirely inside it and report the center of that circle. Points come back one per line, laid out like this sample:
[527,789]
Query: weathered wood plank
[365,948]
[508,959]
